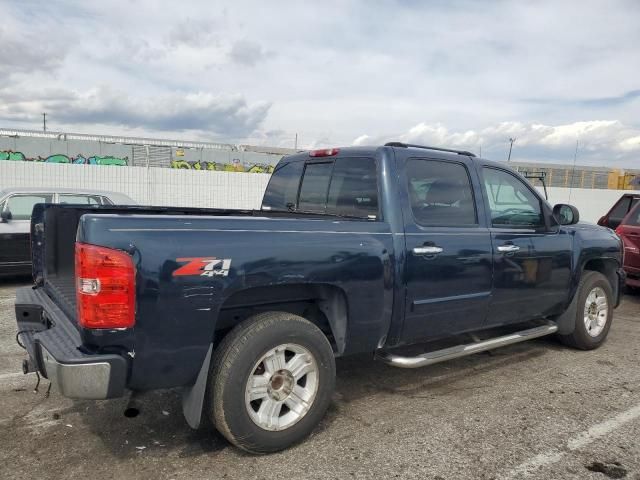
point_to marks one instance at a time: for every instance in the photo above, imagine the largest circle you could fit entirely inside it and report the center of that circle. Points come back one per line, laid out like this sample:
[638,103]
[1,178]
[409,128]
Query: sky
[553,75]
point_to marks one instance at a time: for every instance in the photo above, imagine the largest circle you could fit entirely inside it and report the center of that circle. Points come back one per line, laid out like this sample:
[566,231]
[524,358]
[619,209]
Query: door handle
[427,250]
[508,248]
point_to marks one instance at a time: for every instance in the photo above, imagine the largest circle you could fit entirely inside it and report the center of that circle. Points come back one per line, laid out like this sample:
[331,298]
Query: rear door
[448,249]
[629,231]
[15,249]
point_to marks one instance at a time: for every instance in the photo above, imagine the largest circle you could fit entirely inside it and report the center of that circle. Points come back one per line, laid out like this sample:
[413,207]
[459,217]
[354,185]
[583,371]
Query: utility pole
[511,142]
[296,144]
[44,121]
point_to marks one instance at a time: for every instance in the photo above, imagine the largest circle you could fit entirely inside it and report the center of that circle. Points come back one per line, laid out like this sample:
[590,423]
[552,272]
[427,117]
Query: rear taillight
[325,152]
[105,287]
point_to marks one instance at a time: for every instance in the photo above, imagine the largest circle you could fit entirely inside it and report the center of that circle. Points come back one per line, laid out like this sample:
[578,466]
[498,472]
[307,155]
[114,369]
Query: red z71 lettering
[203,266]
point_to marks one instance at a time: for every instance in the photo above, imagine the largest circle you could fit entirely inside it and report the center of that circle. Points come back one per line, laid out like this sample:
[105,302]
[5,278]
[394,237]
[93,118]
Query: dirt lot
[534,410]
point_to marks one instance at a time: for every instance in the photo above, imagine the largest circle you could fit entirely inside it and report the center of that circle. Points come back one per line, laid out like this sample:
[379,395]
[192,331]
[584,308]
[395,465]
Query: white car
[16,205]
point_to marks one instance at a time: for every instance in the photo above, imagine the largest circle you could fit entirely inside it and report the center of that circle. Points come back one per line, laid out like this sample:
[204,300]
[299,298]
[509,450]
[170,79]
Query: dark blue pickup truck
[355,250]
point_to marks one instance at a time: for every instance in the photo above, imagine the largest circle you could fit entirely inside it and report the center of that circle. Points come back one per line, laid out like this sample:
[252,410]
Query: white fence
[147,186]
[192,188]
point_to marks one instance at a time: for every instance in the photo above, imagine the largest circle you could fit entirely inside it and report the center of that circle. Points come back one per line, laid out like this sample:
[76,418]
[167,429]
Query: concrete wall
[164,186]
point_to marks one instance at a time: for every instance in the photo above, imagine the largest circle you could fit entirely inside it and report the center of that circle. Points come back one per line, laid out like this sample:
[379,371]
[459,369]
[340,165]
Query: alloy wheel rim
[596,311]
[282,387]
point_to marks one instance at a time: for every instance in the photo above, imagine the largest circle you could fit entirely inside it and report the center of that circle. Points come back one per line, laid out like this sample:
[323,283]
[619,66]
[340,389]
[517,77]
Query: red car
[629,232]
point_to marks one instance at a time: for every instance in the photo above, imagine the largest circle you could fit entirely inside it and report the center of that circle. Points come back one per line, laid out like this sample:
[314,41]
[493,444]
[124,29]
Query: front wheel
[271,382]
[594,313]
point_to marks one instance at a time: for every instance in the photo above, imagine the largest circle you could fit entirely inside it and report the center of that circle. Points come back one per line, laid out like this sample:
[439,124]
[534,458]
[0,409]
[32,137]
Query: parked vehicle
[629,232]
[360,249]
[619,210]
[16,205]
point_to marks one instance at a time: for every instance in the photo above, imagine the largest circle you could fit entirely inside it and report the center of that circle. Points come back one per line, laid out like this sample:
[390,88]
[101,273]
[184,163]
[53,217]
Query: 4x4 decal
[203,266]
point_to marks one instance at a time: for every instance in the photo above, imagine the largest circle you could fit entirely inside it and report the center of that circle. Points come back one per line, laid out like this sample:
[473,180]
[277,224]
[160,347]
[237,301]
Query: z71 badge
[203,266]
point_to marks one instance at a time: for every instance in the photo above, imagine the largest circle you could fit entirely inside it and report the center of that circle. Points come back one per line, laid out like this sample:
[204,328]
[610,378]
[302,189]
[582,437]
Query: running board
[458,351]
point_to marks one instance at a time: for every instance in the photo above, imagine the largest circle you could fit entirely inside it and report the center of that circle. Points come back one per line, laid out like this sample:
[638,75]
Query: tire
[588,338]
[264,347]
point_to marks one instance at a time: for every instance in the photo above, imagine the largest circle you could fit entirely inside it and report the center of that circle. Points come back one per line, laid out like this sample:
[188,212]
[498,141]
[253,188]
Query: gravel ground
[531,410]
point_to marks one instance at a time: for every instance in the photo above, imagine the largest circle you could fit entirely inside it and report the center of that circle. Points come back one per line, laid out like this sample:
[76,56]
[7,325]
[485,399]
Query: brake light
[325,152]
[105,287]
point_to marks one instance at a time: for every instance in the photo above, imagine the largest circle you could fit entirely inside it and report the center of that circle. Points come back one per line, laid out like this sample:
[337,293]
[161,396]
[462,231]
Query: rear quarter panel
[176,315]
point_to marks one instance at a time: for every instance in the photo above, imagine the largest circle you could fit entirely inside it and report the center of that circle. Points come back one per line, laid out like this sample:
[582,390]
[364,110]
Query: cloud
[219,114]
[598,140]
[194,33]
[25,52]
[248,53]
[615,100]
[456,73]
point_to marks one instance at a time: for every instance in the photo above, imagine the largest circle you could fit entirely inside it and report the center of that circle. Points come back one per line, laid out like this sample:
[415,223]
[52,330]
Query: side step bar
[458,351]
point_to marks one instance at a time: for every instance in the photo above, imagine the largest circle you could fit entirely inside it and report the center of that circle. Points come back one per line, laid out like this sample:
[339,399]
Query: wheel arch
[325,305]
[607,267]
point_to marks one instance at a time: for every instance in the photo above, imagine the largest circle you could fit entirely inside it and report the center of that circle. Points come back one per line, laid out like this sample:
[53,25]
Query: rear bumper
[55,350]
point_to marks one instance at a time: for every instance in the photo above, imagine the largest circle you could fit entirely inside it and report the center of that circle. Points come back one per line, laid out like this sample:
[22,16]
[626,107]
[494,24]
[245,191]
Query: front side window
[21,206]
[440,193]
[511,202]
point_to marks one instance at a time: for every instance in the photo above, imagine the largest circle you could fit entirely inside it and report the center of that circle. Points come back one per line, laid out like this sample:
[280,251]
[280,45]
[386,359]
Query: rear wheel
[594,313]
[271,382]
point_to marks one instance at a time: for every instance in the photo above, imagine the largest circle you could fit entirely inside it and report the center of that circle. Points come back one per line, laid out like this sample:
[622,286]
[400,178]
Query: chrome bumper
[85,380]
[55,349]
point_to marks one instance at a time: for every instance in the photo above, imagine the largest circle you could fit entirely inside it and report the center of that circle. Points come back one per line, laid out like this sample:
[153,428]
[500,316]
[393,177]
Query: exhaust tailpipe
[132,409]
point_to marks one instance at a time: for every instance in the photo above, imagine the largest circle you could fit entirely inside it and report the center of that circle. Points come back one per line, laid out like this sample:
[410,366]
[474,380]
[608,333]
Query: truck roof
[435,152]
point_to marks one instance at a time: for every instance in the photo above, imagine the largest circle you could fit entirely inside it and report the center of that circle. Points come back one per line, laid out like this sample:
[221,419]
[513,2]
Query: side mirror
[5,215]
[566,214]
[603,221]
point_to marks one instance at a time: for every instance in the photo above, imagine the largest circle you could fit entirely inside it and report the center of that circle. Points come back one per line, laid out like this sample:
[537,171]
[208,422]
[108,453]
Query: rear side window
[344,186]
[440,193]
[282,191]
[354,188]
[80,199]
[314,188]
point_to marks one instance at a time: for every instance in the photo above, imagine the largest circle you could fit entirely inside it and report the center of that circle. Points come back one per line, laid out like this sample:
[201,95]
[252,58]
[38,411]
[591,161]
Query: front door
[448,250]
[532,261]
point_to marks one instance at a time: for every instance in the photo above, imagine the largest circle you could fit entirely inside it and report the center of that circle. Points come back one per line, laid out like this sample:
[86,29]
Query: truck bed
[53,236]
